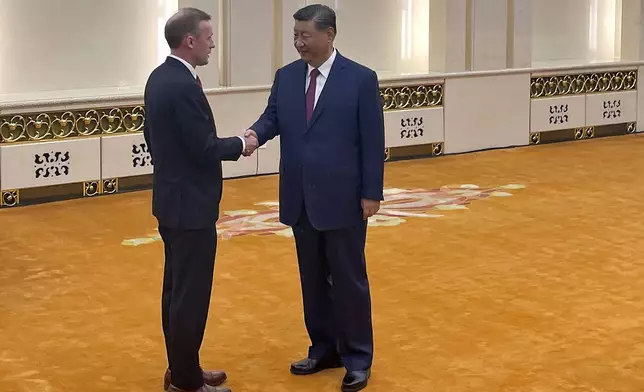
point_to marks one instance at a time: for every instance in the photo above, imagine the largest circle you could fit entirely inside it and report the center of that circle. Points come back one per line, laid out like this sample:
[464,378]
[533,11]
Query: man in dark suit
[186,152]
[328,114]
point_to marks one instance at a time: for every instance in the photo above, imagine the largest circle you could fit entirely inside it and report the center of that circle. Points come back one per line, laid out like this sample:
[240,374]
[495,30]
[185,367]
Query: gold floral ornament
[63,126]
[402,98]
[13,130]
[87,124]
[39,128]
[409,97]
[43,126]
[134,120]
[559,85]
[399,205]
[111,122]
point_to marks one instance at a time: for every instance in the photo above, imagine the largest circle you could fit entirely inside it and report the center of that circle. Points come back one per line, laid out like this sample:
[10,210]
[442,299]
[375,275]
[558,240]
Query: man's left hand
[369,208]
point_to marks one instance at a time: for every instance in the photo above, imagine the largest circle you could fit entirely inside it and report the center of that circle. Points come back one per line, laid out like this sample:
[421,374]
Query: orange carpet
[508,270]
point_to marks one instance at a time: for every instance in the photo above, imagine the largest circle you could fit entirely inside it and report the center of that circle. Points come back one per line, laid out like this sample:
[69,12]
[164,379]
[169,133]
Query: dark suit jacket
[186,153]
[338,157]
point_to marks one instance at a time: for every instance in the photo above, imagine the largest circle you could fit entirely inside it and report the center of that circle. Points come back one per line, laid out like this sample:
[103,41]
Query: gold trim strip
[70,191]
[583,133]
[584,83]
[61,125]
[420,150]
[34,127]
[411,97]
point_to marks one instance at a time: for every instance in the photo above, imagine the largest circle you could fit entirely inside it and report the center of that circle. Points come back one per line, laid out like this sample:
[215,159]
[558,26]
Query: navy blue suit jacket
[186,153]
[336,159]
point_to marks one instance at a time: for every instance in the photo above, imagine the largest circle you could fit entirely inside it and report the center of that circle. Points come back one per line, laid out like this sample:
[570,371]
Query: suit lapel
[328,90]
[184,70]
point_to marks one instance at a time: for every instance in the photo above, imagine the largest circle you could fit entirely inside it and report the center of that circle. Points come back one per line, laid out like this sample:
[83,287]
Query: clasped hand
[252,142]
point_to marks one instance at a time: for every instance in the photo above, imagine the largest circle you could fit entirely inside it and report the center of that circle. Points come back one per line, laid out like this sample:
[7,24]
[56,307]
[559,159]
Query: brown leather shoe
[212,378]
[205,388]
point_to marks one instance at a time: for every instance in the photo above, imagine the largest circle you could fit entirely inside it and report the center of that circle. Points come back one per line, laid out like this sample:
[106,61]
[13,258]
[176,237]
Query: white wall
[447,35]
[560,30]
[520,34]
[53,45]
[575,31]
[59,49]
[489,34]
[251,42]
[630,31]
[389,36]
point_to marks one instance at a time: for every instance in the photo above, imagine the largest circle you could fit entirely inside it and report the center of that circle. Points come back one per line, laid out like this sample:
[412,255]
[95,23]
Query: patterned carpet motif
[398,205]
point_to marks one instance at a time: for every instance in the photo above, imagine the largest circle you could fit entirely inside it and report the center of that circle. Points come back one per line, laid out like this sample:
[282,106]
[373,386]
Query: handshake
[252,142]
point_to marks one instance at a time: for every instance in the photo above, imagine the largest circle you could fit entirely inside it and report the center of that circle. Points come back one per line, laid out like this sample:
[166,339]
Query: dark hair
[323,16]
[185,21]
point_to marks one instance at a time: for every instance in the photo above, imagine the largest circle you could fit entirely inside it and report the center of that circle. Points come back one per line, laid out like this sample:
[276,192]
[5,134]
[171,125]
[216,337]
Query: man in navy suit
[328,114]
[187,187]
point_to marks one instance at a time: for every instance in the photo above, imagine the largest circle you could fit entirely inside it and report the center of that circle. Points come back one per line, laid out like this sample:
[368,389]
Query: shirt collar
[325,68]
[193,71]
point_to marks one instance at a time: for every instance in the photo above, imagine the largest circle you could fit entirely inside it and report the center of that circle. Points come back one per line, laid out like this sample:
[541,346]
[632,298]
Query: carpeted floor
[509,270]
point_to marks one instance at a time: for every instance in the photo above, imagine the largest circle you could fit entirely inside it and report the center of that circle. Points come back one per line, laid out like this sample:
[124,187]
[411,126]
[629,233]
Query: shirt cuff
[243,143]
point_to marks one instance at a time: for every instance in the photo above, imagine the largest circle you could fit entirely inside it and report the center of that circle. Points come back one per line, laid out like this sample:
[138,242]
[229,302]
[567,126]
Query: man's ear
[330,33]
[189,41]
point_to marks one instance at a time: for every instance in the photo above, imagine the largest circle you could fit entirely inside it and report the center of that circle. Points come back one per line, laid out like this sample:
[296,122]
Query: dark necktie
[199,81]
[310,94]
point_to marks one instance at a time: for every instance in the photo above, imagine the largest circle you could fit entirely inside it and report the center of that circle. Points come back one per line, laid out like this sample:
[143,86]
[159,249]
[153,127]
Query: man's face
[312,45]
[202,44]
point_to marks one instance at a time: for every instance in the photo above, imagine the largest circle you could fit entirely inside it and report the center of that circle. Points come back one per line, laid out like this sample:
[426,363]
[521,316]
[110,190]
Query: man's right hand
[252,142]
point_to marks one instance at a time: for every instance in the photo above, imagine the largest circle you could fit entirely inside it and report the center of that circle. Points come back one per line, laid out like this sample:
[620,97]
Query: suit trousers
[335,292]
[187,286]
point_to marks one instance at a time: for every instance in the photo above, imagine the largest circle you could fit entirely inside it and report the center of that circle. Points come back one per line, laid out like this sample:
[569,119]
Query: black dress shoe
[355,380]
[310,365]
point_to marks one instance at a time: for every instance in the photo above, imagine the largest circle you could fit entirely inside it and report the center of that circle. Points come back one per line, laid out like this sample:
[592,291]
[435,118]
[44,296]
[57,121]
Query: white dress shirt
[193,71]
[324,69]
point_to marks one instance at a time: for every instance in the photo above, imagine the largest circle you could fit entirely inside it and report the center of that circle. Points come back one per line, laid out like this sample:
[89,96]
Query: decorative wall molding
[40,126]
[424,117]
[583,105]
[413,96]
[582,83]
[64,124]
